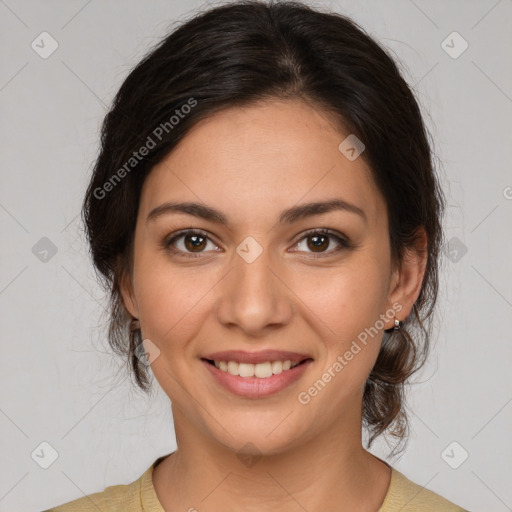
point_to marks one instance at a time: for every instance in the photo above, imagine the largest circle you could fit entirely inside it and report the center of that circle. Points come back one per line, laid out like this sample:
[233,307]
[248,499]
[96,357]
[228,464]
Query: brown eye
[195,243]
[319,241]
[189,243]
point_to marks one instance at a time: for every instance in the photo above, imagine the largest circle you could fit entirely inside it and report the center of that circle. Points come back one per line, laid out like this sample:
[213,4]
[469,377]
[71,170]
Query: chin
[265,436]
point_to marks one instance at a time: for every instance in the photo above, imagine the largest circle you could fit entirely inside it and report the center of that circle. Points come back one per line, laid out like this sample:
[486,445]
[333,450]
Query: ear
[127,291]
[406,281]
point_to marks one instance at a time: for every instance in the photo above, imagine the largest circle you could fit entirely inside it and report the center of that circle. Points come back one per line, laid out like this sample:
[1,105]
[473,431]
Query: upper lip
[262,356]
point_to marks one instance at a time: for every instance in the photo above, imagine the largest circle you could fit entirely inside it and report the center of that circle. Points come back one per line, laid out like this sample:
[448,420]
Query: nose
[254,297]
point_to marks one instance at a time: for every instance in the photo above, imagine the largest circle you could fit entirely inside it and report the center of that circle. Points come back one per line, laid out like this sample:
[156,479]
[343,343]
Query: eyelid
[168,242]
[342,240]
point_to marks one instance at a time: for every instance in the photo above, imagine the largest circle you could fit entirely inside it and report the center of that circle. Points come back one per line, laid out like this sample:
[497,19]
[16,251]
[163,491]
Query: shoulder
[116,497]
[134,497]
[408,496]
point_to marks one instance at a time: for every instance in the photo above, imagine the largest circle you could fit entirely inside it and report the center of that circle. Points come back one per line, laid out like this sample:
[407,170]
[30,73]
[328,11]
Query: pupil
[195,240]
[198,241]
[318,241]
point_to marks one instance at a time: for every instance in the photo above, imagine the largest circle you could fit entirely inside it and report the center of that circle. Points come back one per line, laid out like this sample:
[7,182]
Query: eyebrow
[287,216]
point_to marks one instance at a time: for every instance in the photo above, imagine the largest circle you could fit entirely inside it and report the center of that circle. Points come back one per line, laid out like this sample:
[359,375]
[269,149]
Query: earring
[396,327]
[135,325]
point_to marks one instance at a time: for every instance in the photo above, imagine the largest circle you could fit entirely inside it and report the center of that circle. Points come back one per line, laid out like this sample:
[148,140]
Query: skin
[251,163]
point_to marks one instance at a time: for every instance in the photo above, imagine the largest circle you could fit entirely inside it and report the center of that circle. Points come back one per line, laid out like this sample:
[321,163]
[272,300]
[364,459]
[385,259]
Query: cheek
[346,308]
[346,301]
[170,300]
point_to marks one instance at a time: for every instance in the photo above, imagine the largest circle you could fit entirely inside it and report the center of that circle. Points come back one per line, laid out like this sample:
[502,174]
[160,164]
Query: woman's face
[259,282]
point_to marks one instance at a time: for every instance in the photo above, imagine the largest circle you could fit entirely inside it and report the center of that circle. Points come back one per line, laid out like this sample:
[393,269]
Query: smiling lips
[256,374]
[260,370]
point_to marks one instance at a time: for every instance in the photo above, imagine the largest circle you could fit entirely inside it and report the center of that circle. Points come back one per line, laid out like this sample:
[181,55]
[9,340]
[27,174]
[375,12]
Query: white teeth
[277,367]
[260,370]
[244,369]
[233,368]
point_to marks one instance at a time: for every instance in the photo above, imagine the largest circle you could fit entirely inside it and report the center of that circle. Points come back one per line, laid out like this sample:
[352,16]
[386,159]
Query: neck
[330,472]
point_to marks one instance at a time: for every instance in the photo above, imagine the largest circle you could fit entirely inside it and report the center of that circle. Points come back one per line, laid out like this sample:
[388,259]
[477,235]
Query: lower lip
[254,387]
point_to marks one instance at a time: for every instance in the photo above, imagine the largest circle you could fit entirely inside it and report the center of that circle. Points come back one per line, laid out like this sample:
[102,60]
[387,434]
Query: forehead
[253,161]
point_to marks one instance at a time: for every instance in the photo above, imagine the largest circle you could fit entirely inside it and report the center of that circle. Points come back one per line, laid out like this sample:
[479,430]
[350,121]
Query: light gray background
[58,382]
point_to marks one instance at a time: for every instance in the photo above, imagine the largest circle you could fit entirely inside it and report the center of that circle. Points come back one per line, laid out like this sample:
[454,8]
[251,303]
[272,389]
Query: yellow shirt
[140,496]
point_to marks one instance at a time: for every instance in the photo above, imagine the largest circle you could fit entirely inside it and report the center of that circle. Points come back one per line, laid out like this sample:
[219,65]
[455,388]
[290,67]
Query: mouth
[256,375]
[262,370]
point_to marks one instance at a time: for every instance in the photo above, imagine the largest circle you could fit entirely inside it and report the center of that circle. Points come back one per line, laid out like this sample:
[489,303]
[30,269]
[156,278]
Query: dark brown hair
[237,54]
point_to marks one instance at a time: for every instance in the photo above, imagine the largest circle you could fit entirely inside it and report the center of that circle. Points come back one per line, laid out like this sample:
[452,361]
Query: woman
[266,217]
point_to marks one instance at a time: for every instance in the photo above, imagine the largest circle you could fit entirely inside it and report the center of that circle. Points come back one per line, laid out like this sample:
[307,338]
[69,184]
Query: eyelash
[344,243]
